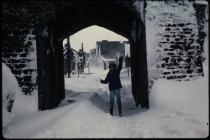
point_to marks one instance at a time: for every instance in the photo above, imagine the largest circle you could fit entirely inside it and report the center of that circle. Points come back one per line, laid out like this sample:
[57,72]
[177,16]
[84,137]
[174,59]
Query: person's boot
[120,112]
[111,111]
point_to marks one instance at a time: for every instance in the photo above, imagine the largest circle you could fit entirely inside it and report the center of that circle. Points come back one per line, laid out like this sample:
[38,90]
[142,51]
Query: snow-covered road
[85,112]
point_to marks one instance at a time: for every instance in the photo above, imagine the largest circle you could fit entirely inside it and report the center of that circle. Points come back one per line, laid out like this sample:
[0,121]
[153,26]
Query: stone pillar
[50,68]
[139,65]
[59,71]
[44,67]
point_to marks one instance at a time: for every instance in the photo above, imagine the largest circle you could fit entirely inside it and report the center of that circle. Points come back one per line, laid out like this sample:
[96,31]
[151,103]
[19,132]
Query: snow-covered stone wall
[172,39]
[23,64]
[10,90]
[14,102]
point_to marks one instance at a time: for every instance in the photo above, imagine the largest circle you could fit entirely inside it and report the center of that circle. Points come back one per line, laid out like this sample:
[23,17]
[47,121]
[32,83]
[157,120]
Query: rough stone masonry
[176,36]
[175,39]
[22,62]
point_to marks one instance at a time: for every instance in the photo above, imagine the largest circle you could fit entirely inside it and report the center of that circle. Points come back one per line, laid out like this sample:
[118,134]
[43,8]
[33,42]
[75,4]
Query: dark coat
[113,78]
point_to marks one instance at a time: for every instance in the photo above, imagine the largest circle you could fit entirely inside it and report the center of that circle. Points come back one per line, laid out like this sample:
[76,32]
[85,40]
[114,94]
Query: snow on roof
[201,2]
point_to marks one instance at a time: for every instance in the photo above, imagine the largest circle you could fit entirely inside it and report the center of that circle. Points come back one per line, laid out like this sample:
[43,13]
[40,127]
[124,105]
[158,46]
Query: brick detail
[179,52]
[23,66]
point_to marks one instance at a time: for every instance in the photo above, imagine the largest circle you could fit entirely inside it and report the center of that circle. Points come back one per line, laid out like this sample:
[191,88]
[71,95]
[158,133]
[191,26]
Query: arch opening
[118,19]
[101,47]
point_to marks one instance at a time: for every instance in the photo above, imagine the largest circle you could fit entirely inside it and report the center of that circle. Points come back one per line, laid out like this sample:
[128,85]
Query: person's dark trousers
[112,96]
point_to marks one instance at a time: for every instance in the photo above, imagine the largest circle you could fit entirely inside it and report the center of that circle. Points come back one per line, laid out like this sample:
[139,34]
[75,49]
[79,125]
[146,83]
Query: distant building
[76,60]
[109,51]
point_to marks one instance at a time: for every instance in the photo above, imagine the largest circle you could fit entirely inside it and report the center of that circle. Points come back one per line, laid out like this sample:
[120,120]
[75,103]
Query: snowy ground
[177,109]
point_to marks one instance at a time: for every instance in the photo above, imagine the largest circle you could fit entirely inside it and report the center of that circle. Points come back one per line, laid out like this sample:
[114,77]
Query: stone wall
[172,37]
[22,62]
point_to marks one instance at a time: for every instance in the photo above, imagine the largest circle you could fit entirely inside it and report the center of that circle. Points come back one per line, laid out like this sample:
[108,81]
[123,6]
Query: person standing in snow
[113,78]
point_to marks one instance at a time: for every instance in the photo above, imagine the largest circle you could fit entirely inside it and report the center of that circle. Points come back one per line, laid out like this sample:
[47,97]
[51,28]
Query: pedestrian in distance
[113,79]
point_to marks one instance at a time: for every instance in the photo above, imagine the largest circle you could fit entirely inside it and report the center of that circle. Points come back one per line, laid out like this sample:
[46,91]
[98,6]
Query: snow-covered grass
[177,109]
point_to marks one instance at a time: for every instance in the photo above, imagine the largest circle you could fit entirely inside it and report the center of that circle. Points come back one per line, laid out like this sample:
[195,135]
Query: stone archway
[120,17]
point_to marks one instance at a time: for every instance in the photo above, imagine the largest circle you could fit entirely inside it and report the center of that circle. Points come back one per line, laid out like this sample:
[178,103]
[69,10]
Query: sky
[90,35]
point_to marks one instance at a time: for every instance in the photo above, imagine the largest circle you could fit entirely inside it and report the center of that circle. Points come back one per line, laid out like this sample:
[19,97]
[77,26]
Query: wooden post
[89,66]
[78,69]
[83,58]
[44,66]
[69,58]
[128,71]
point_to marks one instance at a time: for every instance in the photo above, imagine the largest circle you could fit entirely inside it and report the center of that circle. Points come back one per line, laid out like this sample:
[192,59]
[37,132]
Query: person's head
[112,66]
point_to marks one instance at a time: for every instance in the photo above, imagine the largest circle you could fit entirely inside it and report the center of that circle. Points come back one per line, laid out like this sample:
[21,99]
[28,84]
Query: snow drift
[10,90]
[14,102]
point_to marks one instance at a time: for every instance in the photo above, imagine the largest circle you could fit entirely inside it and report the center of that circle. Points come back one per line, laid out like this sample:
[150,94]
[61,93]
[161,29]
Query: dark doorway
[74,16]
